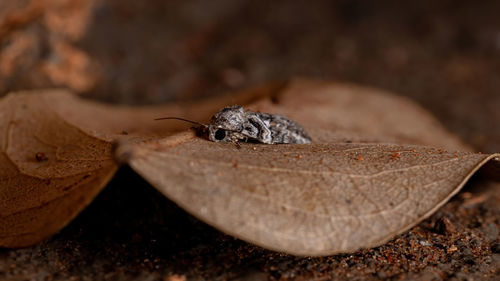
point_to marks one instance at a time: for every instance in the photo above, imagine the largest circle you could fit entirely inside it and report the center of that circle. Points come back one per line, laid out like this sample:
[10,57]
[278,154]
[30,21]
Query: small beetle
[233,124]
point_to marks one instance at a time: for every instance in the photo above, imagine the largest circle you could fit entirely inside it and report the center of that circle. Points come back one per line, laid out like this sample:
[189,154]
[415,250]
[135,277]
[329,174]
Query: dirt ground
[443,54]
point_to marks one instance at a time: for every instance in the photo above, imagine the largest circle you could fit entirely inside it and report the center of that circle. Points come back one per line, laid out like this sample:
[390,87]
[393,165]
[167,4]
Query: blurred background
[444,54]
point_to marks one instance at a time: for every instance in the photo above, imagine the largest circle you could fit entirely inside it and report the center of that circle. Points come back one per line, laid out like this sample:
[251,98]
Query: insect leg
[236,142]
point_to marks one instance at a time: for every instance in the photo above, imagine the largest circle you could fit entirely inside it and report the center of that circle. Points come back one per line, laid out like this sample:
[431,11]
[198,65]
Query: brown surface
[50,170]
[366,178]
[56,153]
[443,54]
[352,188]
[313,200]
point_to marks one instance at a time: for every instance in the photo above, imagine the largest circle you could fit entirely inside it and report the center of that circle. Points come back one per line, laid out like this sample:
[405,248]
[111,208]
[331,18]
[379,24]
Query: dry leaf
[344,112]
[49,170]
[57,154]
[351,189]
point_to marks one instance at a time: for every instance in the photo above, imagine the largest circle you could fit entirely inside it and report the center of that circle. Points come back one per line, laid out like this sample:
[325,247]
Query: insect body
[233,124]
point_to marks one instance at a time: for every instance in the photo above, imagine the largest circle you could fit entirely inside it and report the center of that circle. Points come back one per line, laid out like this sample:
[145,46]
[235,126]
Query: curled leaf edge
[185,136]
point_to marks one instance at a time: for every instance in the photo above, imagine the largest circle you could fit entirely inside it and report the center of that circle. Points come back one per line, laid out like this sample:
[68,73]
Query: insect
[234,124]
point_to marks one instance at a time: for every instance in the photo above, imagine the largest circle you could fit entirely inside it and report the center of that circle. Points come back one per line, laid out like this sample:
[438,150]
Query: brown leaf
[357,186]
[56,153]
[49,170]
[350,189]
[344,112]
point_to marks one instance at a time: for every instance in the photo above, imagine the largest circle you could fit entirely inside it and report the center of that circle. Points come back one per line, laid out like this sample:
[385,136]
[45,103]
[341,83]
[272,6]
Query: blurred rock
[445,226]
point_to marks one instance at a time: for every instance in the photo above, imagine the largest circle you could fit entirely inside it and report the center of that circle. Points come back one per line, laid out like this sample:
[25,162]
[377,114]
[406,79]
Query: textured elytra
[233,124]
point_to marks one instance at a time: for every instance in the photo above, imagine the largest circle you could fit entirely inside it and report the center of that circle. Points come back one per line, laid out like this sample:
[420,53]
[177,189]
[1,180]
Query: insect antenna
[182,119]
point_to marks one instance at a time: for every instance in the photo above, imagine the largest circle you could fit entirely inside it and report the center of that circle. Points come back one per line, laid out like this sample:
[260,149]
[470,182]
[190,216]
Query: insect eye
[220,134]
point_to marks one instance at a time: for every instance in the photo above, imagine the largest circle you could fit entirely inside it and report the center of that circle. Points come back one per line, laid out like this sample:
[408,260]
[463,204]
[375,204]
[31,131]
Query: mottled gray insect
[233,124]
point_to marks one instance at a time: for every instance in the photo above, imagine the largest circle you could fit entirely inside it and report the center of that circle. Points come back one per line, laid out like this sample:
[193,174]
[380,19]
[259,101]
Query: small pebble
[495,248]
[445,227]
[425,243]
